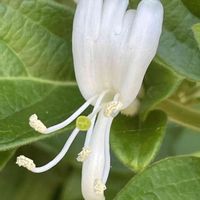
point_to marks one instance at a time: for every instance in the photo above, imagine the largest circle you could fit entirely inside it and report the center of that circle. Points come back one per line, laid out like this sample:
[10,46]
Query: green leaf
[159,84]
[196,30]
[35,39]
[172,178]
[36,73]
[5,157]
[136,143]
[178,50]
[181,114]
[52,107]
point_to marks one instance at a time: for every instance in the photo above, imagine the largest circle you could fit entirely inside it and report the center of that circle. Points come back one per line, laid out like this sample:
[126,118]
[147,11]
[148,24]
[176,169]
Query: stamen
[112,108]
[23,161]
[83,123]
[36,124]
[39,126]
[99,187]
[29,164]
[83,155]
[93,116]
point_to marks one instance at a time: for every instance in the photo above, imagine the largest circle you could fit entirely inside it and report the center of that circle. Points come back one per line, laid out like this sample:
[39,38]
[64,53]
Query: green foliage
[159,84]
[182,114]
[138,142]
[175,178]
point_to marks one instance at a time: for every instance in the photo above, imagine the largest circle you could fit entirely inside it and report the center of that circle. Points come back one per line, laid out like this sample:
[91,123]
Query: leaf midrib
[54,84]
[40,80]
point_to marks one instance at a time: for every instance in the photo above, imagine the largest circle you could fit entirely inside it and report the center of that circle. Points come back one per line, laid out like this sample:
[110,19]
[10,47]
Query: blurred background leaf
[181,114]
[179,141]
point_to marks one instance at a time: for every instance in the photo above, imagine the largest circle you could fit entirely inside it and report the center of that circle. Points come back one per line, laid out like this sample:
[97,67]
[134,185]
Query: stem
[181,114]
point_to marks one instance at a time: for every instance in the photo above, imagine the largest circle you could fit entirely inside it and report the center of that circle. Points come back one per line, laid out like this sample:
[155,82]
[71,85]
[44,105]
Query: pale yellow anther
[83,155]
[112,108]
[83,123]
[23,161]
[99,187]
[36,124]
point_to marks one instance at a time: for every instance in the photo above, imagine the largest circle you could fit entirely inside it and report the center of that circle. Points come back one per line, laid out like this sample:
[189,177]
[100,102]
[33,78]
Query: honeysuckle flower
[112,49]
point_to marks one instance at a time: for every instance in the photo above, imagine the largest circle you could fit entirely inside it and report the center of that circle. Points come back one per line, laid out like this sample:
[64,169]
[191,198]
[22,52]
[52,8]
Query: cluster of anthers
[83,123]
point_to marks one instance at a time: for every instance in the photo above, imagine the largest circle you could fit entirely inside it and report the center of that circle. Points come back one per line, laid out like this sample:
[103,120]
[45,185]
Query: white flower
[112,49]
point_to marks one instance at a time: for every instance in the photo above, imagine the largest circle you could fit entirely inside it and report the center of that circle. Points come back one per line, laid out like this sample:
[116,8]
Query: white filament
[68,120]
[62,153]
[94,114]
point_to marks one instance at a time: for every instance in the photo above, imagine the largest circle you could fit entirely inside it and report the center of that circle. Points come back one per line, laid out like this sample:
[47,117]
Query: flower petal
[119,66]
[106,47]
[85,30]
[112,16]
[94,167]
[142,47]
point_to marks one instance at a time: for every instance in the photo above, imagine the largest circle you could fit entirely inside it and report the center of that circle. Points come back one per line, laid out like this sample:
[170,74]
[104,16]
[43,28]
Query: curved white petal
[112,16]
[94,167]
[85,30]
[142,47]
[116,22]
[96,44]
[120,52]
